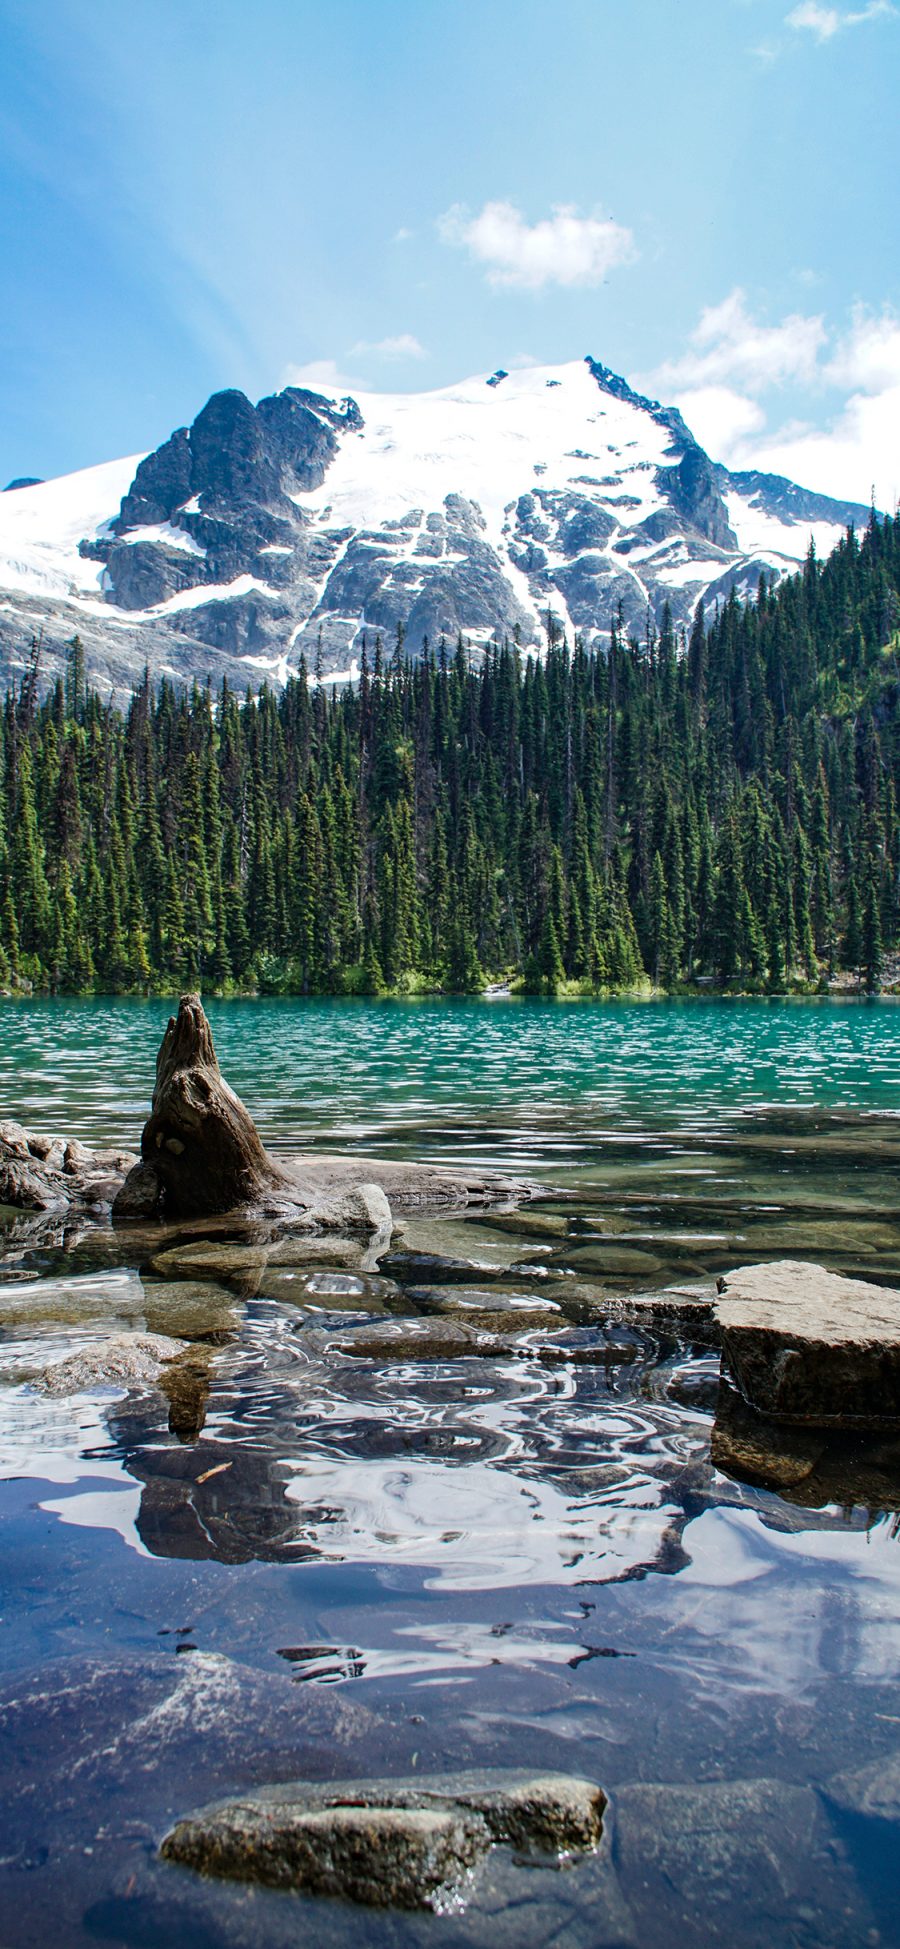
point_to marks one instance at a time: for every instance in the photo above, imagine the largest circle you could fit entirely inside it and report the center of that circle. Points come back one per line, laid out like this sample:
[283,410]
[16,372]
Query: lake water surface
[320,1563]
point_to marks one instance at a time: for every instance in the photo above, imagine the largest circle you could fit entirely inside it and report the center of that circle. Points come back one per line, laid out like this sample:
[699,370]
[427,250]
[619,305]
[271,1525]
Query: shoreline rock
[387,1843]
[810,1347]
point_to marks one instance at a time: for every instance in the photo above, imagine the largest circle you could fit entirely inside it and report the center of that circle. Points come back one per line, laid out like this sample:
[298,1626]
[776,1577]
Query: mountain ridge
[303,525]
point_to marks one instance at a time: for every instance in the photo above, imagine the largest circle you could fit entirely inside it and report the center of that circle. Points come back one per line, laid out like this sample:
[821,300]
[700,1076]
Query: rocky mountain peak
[307,524]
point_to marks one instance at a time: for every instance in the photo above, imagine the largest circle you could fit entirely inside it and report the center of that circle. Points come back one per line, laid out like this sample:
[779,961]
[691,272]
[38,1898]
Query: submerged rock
[420,1268]
[274,1268]
[681,1309]
[211,1259]
[745,1445]
[386,1843]
[810,1466]
[124,1360]
[191,1309]
[722,1861]
[490,1336]
[810,1346]
[870,1792]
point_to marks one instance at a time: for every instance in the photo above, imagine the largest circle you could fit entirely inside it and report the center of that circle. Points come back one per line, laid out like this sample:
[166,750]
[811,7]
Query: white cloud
[821,21]
[730,346]
[323,376]
[401,236]
[564,248]
[825,22]
[402,346]
[857,452]
[868,356]
[720,418]
[845,453]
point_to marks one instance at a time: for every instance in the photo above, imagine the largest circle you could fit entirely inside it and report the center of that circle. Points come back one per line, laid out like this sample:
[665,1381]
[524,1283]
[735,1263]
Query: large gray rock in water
[805,1345]
[387,1843]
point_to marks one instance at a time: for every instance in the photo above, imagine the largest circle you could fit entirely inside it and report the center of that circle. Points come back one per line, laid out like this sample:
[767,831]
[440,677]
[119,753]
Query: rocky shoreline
[366,1268]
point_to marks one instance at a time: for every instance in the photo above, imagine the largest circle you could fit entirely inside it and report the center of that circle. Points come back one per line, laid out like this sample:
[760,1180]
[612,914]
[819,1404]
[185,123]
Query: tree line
[720,807]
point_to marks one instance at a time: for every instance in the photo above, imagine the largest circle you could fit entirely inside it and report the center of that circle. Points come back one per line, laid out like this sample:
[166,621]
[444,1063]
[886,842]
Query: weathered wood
[49,1174]
[199,1140]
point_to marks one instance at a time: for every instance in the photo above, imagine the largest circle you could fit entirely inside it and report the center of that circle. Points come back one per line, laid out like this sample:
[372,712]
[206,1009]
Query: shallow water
[316,1561]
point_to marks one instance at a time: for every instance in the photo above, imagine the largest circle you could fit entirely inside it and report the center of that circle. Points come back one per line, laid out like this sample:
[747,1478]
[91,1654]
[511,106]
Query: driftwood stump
[200,1148]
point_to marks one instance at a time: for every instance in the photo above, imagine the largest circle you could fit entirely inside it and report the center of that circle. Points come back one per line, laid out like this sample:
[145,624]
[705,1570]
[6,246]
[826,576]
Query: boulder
[810,1346]
[124,1360]
[386,1843]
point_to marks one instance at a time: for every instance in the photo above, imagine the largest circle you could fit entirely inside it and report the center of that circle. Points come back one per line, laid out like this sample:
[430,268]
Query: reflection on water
[332,1540]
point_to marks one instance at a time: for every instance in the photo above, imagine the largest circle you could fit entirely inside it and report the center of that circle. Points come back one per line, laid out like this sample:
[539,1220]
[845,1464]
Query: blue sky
[396,193]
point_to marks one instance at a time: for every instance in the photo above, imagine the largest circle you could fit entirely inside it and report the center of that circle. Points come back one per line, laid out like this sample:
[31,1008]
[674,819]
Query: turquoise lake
[318,1562]
[528,1080]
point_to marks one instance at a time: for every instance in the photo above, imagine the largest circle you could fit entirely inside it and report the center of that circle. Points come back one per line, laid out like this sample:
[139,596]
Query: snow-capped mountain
[302,525]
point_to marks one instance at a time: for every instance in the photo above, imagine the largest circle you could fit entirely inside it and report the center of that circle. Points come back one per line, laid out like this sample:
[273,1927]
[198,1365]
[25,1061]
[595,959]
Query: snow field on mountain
[489,444]
[40,528]
[761,533]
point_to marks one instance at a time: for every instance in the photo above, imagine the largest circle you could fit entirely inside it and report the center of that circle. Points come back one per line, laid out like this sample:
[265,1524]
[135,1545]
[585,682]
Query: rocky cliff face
[302,525]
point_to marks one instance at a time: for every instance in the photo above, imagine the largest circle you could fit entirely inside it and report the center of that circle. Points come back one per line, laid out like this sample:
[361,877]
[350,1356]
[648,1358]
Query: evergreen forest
[718,808]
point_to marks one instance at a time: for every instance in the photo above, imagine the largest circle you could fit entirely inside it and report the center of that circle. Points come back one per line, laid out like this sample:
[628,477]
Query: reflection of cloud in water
[483,1473]
[115,1509]
[479,1527]
[770,1610]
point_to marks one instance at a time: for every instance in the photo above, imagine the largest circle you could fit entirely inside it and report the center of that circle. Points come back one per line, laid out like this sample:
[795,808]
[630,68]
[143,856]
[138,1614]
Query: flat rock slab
[386,1843]
[810,1346]
[487,1337]
[408,1187]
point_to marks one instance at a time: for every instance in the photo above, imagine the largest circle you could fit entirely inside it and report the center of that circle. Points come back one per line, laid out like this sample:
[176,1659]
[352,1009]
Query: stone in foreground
[386,1843]
[812,1347]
